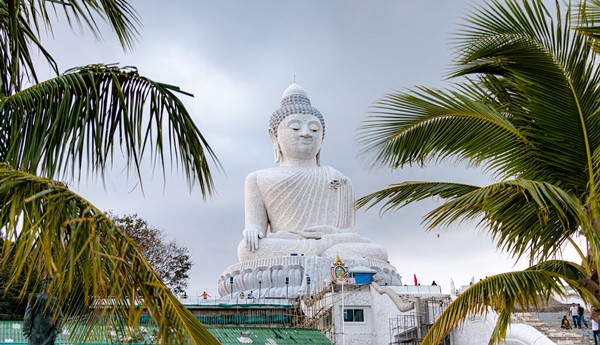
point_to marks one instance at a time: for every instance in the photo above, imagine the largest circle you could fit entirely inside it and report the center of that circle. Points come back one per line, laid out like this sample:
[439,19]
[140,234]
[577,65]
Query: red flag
[416,282]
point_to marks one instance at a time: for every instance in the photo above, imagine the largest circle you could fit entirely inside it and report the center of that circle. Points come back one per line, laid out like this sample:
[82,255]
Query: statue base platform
[291,276]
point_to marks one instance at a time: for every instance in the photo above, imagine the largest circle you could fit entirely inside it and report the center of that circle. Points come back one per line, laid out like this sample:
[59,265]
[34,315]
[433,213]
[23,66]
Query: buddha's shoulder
[333,171]
[269,174]
[277,173]
[262,174]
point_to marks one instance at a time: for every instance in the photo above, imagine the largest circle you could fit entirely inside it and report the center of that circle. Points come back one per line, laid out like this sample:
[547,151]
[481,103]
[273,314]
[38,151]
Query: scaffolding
[407,329]
[315,310]
[311,310]
[412,328]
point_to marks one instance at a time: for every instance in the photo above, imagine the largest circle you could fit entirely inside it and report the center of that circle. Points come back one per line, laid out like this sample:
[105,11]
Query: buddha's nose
[305,132]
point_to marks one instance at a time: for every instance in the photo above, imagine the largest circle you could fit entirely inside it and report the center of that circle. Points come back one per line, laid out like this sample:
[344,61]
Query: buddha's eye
[314,127]
[295,126]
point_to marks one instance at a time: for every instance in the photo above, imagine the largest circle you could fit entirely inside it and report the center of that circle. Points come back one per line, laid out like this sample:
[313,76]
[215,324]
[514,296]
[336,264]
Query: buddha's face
[300,136]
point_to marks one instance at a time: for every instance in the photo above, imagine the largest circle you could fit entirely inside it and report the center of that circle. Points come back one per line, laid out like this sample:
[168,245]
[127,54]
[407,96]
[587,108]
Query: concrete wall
[384,309]
[378,309]
[352,333]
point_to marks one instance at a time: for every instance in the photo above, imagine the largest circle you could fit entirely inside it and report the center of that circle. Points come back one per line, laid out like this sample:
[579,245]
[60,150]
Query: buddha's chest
[297,199]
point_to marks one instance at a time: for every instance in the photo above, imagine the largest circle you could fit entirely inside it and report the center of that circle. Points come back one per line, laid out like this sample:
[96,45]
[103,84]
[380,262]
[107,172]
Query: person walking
[581,313]
[575,315]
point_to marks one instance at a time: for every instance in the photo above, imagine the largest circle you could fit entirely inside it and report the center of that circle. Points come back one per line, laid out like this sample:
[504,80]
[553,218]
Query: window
[354,315]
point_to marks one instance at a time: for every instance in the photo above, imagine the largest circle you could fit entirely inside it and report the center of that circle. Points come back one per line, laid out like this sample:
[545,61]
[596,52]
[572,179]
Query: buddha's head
[296,128]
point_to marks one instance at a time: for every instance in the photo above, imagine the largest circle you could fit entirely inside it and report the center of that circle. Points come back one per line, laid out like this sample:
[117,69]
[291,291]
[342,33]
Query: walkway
[548,323]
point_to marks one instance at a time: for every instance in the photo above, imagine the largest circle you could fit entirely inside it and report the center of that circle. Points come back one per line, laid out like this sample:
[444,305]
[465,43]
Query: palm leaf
[16,37]
[526,289]
[82,116]
[588,20]
[524,217]
[119,14]
[402,194]
[549,71]
[98,273]
[21,22]
[531,114]
[426,125]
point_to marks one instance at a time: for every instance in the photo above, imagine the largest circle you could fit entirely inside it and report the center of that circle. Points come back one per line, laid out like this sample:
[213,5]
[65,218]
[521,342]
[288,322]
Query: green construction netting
[11,334]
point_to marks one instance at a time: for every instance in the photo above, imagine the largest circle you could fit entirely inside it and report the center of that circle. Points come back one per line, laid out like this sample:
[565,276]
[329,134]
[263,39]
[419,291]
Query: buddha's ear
[275,144]
[319,158]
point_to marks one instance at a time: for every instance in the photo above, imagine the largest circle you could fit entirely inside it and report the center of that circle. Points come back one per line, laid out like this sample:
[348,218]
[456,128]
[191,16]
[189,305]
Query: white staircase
[552,329]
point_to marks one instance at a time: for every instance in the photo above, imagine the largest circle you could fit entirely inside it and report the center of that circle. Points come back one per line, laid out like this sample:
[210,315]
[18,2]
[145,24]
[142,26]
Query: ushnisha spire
[294,100]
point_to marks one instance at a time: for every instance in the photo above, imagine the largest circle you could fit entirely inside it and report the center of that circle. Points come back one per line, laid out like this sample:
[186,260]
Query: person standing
[595,330]
[43,319]
[580,313]
[575,315]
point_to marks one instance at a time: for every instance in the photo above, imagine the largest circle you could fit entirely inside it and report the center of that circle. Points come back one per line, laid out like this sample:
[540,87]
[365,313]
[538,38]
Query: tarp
[363,278]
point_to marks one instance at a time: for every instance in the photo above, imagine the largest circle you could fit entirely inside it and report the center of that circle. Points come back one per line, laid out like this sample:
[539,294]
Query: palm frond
[532,114]
[84,115]
[22,21]
[119,14]
[525,289]
[588,20]
[524,217]
[549,71]
[399,195]
[16,37]
[431,125]
[99,276]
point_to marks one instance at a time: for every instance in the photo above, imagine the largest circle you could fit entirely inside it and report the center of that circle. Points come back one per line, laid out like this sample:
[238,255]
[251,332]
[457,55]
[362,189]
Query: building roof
[268,336]
[362,269]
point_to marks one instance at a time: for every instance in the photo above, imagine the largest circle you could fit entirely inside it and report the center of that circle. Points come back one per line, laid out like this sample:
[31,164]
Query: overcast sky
[237,57]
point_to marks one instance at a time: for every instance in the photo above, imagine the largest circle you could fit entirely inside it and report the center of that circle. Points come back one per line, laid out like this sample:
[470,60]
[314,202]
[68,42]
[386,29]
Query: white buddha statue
[300,207]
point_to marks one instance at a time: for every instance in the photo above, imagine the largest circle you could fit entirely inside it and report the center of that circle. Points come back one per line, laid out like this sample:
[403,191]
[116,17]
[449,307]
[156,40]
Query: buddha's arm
[256,219]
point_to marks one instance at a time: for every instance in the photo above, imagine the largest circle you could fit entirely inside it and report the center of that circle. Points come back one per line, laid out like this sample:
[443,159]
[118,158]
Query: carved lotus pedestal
[290,276]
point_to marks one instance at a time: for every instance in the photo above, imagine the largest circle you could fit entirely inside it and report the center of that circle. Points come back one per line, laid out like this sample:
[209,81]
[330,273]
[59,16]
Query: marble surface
[300,206]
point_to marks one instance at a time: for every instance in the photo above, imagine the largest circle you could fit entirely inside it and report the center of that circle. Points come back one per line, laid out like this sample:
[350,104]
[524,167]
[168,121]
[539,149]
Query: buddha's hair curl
[294,104]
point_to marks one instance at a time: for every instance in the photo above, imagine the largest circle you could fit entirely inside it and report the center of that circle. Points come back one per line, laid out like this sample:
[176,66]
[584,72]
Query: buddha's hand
[251,236]
[316,232]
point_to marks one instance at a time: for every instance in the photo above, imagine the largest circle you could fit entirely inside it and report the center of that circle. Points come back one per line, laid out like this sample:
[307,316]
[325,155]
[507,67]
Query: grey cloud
[237,57]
